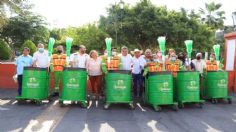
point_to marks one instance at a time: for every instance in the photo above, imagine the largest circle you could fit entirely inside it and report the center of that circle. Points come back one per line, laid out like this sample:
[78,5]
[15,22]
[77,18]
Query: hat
[198,54]
[137,50]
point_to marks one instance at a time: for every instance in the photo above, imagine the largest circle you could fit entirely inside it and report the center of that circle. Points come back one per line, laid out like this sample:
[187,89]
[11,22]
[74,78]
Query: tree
[89,35]
[24,27]
[144,22]
[4,50]
[212,15]
[13,5]
[30,45]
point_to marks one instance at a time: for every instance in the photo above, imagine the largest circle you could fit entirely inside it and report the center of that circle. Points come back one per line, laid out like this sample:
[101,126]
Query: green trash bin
[159,90]
[74,86]
[35,85]
[188,88]
[215,86]
[118,88]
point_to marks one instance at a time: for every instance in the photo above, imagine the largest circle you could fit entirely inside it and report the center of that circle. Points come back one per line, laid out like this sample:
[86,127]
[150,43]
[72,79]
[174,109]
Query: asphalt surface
[73,118]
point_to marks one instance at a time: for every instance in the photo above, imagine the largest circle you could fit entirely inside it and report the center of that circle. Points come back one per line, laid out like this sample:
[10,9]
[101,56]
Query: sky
[64,13]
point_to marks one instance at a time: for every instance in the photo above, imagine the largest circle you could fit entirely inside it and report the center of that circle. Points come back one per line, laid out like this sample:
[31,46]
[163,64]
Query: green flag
[217,51]
[68,45]
[50,46]
[108,46]
[189,46]
[162,42]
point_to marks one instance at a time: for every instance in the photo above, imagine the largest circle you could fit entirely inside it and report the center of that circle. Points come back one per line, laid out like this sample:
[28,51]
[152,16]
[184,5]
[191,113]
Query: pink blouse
[94,67]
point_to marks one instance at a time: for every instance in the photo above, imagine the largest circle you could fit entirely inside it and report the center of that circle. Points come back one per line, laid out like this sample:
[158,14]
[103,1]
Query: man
[40,57]
[138,65]
[126,59]
[79,58]
[57,66]
[147,55]
[21,62]
[199,63]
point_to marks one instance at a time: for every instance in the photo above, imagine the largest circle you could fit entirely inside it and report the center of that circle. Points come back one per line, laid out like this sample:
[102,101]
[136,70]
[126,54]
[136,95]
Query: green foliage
[5,51]
[30,45]
[212,15]
[24,27]
[140,25]
[89,35]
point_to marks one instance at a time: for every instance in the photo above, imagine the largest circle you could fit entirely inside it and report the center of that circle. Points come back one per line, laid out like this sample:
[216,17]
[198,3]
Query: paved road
[50,117]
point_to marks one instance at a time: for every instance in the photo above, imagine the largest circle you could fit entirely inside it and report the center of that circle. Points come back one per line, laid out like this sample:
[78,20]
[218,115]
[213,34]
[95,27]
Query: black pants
[19,80]
[138,85]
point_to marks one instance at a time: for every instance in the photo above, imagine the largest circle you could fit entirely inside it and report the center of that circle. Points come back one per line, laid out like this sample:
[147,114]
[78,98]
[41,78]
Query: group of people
[92,62]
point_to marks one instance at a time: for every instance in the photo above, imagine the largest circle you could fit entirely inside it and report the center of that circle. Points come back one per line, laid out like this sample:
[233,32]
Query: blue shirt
[21,62]
[138,64]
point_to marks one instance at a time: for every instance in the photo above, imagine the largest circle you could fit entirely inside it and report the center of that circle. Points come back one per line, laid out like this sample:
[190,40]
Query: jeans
[137,85]
[19,80]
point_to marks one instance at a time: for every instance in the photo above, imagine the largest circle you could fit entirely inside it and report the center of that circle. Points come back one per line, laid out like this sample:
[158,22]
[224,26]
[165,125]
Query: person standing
[138,63]
[199,63]
[22,61]
[94,70]
[126,59]
[40,57]
[79,58]
[148,55]
[57,66]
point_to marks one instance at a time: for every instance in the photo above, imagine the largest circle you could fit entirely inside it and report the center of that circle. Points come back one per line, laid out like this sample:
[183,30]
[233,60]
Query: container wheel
[20,102]
[61,103]
[38,102]
[181,105]
[200,105]
[106,106]
[175,107]
[157,108]
[131,106]
[84,105]
[229,100]
[213,101]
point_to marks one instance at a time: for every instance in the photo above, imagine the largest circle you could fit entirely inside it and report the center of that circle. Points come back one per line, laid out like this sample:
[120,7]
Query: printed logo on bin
[32,82]
[165,87]
[222,83]
[72,83]
[192,85]
[120,84]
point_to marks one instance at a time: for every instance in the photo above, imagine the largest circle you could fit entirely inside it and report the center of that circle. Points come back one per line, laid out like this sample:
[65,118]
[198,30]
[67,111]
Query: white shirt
[199,65]
[126,61]
[94,67]
[138,64]
[42,59]
[79,60]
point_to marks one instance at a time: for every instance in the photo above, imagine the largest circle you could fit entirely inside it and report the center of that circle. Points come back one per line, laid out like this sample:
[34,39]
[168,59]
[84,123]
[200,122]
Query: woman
[158,57]
[94,70]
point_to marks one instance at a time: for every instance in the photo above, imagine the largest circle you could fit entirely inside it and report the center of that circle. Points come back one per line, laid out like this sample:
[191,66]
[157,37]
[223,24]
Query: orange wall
[7,70]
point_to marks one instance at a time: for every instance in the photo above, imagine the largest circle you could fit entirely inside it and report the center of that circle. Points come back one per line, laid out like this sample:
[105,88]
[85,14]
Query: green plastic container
[159,89]
[35,84]
[216,85]
[74,86]
[118,88]
[188,88]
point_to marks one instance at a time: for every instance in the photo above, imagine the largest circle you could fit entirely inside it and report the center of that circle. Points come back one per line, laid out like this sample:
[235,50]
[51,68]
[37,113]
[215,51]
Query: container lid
[159,73]
[217,71]
[120,71]
[74,69]
[35,68]
[187,71]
